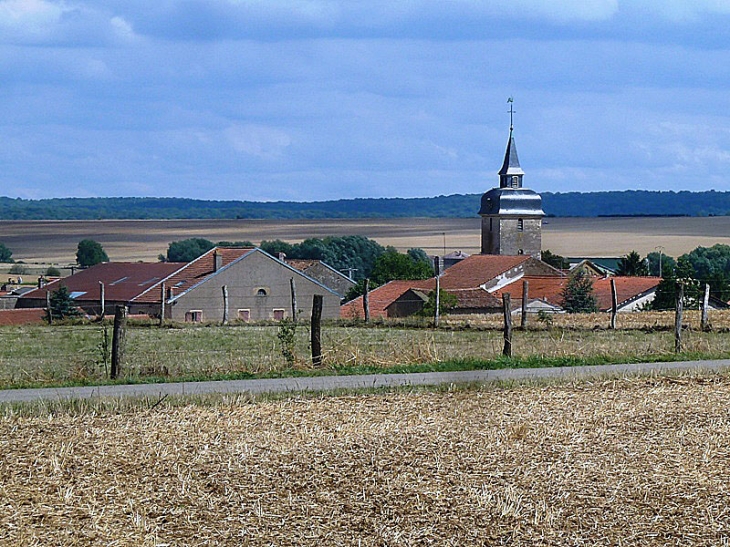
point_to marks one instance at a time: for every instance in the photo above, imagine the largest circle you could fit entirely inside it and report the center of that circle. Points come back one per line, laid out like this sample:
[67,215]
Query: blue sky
[325,99]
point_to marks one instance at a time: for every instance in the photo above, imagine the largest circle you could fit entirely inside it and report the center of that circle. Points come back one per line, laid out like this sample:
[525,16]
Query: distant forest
[570,204]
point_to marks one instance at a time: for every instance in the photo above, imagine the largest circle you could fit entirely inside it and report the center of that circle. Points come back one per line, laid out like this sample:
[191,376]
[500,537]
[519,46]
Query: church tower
[511,215]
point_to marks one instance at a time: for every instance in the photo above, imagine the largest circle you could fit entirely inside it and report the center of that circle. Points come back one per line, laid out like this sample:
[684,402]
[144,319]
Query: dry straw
[630,462]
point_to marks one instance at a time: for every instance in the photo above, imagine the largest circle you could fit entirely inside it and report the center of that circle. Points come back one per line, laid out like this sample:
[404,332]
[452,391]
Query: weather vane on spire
[511,112]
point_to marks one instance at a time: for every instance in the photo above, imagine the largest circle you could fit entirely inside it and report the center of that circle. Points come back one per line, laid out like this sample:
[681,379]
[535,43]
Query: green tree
[62,305]
[447,302]
[555,260]
[665,296]
[394,265]
[5,253]
[52,271]
[188,250]
[668,264]
[89,253]
[632,265]
[712,265]
[578,294]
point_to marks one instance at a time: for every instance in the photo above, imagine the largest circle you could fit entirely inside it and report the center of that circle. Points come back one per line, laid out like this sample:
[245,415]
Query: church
[511,214]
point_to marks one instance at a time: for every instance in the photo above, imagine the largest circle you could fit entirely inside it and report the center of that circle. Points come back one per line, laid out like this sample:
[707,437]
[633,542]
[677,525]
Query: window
[261,292]
[515,181]
[278,315]
[244,315]
[520,225]
[490,224]
[520,251]
[194,316]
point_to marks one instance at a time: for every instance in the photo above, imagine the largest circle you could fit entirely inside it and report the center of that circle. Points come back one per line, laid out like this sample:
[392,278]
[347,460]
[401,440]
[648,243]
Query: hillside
[571,204]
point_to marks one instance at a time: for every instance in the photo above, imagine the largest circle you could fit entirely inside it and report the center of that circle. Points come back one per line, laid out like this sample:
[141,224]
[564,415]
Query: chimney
[217,261]
[170,293]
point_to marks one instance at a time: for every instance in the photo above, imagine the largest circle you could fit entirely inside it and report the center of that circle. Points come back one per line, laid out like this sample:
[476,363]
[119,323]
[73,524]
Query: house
[324,273]
[257,287]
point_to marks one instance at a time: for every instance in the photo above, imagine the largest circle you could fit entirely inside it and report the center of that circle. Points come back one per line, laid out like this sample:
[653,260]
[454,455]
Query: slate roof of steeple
[511,164]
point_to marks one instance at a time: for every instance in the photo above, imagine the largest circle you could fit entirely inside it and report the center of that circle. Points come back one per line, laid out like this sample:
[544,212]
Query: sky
[311,100]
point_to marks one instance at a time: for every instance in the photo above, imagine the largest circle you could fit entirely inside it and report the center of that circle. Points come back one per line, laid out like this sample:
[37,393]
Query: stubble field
[130,240]
[630,462]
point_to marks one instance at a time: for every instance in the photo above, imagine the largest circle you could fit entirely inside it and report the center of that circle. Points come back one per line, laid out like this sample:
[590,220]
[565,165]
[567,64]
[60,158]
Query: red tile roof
[187,275]
[550,289]
[22,316]
[122,280]
[475,299]
[382,297]
[476,270]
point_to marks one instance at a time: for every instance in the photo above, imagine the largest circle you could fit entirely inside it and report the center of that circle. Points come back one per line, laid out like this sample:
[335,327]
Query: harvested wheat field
[625,462]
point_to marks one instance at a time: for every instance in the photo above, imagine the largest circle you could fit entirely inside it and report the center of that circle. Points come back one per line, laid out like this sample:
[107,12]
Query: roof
[23,316]
[122,281]
[382,297]
[511,201]
[550,289]
[511,164]
[475,299]
[476,270]
[187,275]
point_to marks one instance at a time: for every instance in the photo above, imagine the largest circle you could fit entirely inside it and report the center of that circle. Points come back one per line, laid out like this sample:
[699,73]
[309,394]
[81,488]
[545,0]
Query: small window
[520,225]
[520,251]
[278,315]
[194,316]
[515,181]
[490,224]
[261,292]
[244,315]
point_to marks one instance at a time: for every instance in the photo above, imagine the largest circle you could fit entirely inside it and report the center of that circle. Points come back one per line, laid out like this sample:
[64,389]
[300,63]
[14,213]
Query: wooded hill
[569,204]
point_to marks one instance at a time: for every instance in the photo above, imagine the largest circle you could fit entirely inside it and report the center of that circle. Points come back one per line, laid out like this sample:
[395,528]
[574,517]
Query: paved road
[325,383]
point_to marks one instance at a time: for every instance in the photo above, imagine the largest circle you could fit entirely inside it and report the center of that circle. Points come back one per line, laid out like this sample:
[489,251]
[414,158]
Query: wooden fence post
[438,302]
[48,307]
[316,330]
[614,304]
[118,334]
[678,319]
[704,323]
[225,304]
[162,304]
[366,300]
[293,288]
[102,300]
[525,296]
[507,352]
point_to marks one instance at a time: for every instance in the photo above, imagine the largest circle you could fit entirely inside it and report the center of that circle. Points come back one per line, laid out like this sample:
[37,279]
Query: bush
[18,269]
[52,271]
[188,250]
[5,253]
[90,253]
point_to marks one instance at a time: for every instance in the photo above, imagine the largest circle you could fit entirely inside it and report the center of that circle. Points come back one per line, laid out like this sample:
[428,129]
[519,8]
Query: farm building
[257,284]
[324,273]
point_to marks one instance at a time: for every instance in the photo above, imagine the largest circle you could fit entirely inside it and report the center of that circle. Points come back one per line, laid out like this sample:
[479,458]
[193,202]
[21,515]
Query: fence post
[507,352]
[438,302]
[225,304]
[48,307]
[678,319]
[162,304]
[366,299]
[118,334]
[293,288]
[316,330]
[102,300]
[704,323]
[614,304]
[525,296]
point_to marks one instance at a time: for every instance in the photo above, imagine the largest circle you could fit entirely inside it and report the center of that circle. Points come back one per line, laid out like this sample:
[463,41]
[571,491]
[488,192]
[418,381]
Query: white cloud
[262,142]
[28,20]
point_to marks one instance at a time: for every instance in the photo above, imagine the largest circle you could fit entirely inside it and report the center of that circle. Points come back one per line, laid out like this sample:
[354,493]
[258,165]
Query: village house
[257,285]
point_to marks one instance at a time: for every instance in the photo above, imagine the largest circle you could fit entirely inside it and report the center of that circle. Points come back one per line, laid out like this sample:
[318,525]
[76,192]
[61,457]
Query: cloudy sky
[326,99]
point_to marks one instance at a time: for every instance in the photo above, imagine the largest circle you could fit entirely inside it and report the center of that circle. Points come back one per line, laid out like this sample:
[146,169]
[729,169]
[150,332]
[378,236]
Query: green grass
[72,355]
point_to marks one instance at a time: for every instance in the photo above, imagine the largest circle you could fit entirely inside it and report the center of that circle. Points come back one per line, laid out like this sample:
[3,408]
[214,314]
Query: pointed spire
[511,165]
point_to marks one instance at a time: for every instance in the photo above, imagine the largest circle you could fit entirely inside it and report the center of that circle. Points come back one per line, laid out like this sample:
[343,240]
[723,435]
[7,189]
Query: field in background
[632,462]
[129,240]
[62,354]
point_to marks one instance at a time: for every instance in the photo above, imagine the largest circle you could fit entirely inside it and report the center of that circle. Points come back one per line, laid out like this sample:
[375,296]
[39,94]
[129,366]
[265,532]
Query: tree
[52,271]
[665,296]
[578,294]
[188,250]
[632,265]
[447,302]
[711,265]
[394,265]
[89,253]
[62,305]
[5,253]
[668,264]
[555,260]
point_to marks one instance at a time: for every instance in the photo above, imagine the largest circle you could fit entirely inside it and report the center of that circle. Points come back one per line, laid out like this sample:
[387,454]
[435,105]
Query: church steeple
[510,176]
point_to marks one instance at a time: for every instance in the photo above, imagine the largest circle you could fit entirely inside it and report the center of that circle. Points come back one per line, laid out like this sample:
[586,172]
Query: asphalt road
[326,383]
